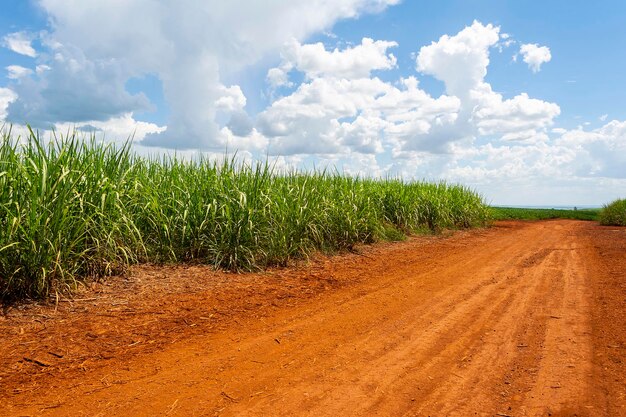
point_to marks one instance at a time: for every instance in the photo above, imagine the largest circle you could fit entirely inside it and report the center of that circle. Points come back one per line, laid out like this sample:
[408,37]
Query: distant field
[513,213]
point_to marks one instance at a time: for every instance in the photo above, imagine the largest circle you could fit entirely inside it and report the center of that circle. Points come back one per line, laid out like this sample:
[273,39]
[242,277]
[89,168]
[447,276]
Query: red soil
[522,319]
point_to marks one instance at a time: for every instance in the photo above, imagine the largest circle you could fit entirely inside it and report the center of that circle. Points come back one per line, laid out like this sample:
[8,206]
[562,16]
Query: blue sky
[522,101]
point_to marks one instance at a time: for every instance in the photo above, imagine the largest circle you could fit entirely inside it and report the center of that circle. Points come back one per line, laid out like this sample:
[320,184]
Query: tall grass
[614,214]
[72,208]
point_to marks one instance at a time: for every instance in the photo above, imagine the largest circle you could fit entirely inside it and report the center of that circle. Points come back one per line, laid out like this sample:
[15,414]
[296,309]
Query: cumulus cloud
[72,88]
[314,61]
[535,55]
[579,159]
[601,152]
[416,120]
[116,129]
[341,107]
[578,165]
[217,38]
[460,61]
[20,43]
[518,118]
[330,115]
[505,41]
[231,99]
[240,124]
[6,97]
[514,141]
[15,72]
[279,76]
[356,62]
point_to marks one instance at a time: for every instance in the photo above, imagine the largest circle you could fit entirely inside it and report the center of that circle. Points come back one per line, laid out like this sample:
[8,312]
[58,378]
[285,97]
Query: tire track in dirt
[531,351]
[494,322]
[420,332]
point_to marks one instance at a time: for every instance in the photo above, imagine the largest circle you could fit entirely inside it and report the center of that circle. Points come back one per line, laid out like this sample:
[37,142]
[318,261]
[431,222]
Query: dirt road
[523,319]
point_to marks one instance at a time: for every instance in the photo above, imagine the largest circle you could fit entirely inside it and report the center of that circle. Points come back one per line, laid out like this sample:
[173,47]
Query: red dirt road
[523,319]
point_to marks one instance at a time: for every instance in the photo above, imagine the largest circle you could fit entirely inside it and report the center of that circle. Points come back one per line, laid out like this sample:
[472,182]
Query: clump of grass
[614,214]
[73,208]
[63,213]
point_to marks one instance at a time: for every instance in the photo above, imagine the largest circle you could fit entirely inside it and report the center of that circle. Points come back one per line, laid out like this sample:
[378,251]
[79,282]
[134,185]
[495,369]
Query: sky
[523,101]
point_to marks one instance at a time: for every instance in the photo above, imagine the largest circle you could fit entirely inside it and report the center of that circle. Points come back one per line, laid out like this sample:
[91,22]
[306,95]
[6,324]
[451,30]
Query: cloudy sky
[523,101]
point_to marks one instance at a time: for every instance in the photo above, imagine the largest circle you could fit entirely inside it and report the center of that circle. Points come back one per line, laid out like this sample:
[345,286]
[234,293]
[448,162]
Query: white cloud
[520,117]
[460,61]
[329,115]
[416,120]
[117,129]
[601,152]
[364,134]
[251,141]
[535,55]
[578,167]
[509,164]
[15,72]
[240,124]
[20,43]
[40,69]
[279,76]
[6,97]
[340,108]
[315,61]
[216,38]
[356,62]
[232,99]
[506,141]
[603,117]
[505,41]
[69,87]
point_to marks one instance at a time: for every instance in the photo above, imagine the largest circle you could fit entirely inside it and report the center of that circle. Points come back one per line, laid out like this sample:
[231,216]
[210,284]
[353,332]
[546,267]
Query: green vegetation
[614,214]
[510,213]
[73,208]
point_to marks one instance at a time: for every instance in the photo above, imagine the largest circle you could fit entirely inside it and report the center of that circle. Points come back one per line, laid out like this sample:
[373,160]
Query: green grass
[614,214]
[510,213]
[73,209]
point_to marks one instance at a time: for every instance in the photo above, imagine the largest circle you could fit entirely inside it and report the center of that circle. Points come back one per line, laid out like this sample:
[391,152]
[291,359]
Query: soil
[521,319]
